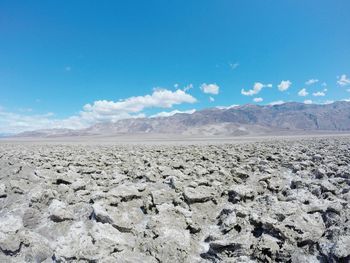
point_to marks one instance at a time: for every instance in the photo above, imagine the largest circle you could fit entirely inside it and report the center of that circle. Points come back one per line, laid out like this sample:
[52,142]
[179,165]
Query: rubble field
[263,201]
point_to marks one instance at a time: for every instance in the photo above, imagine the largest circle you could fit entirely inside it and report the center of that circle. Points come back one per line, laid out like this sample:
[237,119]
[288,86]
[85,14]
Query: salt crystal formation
[267,201]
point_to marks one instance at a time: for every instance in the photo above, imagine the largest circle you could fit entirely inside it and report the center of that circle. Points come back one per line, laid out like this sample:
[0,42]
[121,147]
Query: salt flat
[251,199]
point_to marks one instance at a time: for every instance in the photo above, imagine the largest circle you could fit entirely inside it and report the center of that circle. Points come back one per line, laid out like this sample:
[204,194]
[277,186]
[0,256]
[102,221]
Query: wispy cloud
[311,82]
[307,101]
[188,87]
[13,122]
[258,99]
[233,66]
[343,80]
[171,113]
[328,101]
[278,102]
[303,93]
[210,88]
[227,107]
[258,86]
[284,85]
[211,99]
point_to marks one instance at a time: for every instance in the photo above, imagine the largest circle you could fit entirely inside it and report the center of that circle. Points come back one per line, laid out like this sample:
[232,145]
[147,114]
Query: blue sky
[75,63]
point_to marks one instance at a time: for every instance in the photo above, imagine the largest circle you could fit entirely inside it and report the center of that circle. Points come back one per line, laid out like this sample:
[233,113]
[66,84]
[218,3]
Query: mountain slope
[240,120]
[247,119]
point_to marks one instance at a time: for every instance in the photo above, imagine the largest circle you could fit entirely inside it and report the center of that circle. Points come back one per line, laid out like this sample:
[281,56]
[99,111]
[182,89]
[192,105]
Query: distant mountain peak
[249,119]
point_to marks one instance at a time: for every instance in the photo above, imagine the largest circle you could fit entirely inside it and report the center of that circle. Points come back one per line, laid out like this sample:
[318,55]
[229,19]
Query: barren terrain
[271,200]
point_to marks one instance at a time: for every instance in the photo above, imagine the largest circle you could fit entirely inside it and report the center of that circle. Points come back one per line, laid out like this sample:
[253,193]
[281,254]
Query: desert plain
[217,200]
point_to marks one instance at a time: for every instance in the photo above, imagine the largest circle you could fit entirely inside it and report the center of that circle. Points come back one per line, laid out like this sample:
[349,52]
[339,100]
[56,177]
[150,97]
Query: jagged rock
[125,218]
[341,248]
[100,214]
[32,218]
[198,194]
[304,227]
[77,244]
[162,196]
[58,211]
[10,223]
[125,192]
[269,201]
[241,193]
[3,191]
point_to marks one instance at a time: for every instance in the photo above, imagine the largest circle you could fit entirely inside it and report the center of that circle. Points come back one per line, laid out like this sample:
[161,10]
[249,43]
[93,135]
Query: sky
[71,64]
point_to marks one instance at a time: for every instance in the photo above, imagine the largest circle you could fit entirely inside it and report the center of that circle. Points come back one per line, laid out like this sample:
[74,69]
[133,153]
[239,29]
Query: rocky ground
[272,201]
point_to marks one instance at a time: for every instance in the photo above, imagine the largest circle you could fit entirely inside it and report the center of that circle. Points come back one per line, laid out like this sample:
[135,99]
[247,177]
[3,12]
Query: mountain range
[248,119]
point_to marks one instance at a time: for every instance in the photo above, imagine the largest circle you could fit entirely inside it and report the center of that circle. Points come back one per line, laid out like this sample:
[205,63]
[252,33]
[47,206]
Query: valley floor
[284,199]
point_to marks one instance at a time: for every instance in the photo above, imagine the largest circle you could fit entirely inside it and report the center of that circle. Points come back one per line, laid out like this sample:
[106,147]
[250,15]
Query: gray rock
[59,212]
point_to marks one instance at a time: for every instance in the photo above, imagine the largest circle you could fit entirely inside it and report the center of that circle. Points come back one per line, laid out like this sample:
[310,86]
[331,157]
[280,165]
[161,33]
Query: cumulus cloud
[311,81]
[258,99]
[343,80]
[99,111]
[160,98]
[303,93]
[284,85]
[307,101]
[210,88]
[256,89]
[319,94]
[171,113]
[278,102]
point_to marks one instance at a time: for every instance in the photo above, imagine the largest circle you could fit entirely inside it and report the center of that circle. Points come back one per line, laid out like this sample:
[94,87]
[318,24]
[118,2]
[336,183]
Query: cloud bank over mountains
[160,99]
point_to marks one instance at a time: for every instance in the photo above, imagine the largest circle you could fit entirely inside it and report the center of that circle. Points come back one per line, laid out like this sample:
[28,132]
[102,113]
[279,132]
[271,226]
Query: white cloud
[227,107]
[278,102]
[311,81]
[160,98]
[303,93]
[211,99]
[328,102]
[98,111]
[343,80]
[319,94]
[171,113]
[13,123]
[258,99]
[256,89]
[284,85]
[233,65]
[210,88]
[307,101]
